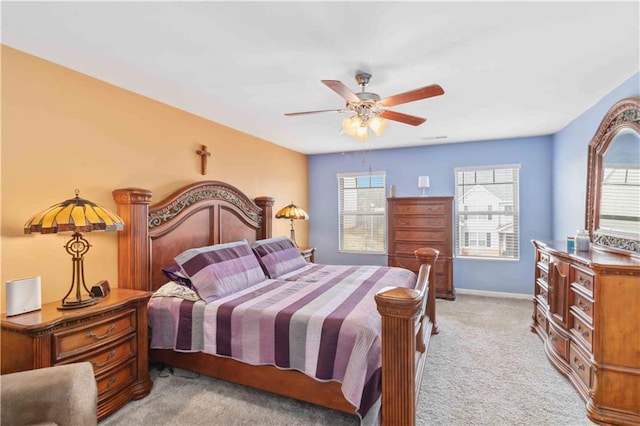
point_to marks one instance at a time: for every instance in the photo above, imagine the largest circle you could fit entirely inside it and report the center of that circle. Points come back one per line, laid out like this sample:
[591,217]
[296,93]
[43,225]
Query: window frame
[491,215]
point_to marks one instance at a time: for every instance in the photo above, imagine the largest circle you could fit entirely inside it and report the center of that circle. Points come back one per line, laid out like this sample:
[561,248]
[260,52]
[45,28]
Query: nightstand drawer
[73,341]
[110,356]
[116,379]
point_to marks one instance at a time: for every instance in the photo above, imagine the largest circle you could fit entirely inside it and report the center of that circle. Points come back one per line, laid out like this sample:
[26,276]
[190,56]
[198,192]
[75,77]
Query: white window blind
[620,198]
[487,212]
[362,217]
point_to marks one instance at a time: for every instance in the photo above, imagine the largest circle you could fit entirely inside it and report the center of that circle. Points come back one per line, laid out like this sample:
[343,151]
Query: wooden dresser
[415,222]
[586,309]
[111,335]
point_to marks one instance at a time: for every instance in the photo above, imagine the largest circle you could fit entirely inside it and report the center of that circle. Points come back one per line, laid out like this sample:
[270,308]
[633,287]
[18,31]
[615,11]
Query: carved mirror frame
[623,116]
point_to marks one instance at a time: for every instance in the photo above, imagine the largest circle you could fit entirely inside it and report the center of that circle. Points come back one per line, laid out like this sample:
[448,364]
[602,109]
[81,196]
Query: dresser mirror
[613,180]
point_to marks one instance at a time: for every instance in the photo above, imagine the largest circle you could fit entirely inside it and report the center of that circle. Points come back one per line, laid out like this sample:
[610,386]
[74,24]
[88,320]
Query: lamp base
[66,305]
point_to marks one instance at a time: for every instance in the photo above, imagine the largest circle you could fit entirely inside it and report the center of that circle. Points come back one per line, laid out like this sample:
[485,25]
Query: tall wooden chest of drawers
[415,222]
[111,335]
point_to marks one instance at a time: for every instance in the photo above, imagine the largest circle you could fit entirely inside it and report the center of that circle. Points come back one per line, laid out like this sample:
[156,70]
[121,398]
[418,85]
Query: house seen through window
[487,212]
[362,204]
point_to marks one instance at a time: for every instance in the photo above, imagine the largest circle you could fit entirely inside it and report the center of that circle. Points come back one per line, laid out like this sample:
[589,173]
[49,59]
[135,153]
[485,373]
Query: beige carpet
[484,368]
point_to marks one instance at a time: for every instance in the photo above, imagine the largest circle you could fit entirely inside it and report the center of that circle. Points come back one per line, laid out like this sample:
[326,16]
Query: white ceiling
[509,69]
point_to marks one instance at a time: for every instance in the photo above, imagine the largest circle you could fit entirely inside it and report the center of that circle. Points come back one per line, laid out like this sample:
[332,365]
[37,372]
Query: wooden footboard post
[429,256]
[133,241]
[404,331]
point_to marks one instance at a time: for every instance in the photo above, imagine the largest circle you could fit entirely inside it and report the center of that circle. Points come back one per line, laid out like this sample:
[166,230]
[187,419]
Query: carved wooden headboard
[200,214]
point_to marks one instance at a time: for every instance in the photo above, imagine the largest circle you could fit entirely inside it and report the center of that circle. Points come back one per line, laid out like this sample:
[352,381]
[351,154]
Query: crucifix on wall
[205,155]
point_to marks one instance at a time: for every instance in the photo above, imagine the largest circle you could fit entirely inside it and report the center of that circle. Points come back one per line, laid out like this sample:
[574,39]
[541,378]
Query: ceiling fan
[369,111]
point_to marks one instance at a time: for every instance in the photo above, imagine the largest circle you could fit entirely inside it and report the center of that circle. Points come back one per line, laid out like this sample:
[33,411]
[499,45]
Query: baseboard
[486,293]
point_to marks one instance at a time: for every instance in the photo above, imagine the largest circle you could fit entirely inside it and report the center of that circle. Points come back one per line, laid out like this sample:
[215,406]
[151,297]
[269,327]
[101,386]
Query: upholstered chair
[64,395]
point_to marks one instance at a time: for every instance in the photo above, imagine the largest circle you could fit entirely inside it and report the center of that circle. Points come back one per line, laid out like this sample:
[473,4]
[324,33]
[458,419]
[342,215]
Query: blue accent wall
[570,161]
[552,191]
[404,165]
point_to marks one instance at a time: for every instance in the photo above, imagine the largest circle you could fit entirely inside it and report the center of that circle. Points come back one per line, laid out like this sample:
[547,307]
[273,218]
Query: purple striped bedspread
[321,320]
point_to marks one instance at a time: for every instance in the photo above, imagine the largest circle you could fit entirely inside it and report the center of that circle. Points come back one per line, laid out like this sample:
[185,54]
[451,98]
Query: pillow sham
[278,256]
[218,270]
[174,273]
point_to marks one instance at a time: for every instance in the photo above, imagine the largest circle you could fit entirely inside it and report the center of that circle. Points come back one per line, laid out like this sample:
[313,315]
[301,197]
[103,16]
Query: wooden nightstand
[308,253]
[111,335]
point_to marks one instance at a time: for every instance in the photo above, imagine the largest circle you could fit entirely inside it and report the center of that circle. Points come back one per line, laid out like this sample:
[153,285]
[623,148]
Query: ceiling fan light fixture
[350,125]
[362,133]
[377,124]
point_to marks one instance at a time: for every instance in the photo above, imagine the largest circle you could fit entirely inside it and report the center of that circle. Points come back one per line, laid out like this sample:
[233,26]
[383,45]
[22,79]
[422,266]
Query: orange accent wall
[63,130]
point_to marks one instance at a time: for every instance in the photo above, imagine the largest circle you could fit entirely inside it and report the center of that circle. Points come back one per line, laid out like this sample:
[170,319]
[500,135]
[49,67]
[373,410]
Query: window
[362,204]
[487,212]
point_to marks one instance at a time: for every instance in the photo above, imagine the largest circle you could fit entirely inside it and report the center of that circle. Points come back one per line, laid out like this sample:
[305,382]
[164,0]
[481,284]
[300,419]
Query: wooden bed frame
[212,212]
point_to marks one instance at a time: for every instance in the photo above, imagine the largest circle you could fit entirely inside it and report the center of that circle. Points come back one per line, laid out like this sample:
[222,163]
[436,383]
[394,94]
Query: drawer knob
[552,337]
[106,361]
[576,362]
[91,334]
[585,334]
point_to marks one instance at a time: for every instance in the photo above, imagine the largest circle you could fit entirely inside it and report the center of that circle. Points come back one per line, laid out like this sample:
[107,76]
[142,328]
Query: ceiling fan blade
[402,118]
[413,95]
[293,114]
[341,90]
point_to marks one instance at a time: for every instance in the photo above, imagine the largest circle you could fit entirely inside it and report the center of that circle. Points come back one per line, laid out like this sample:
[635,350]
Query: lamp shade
[75,215]
[423,181]
[291,212]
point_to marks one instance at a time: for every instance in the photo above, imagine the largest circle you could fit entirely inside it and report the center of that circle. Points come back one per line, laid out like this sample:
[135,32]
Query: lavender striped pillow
[222,269]
[278,256]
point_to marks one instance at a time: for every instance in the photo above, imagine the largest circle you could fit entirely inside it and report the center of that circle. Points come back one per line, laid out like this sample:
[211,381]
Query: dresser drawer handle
[552,337]
[112,380]
[403,222]
[404,209]
[575,361]
[584,282]
[106,361]
[583,333]
[92,334]
[583,306]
